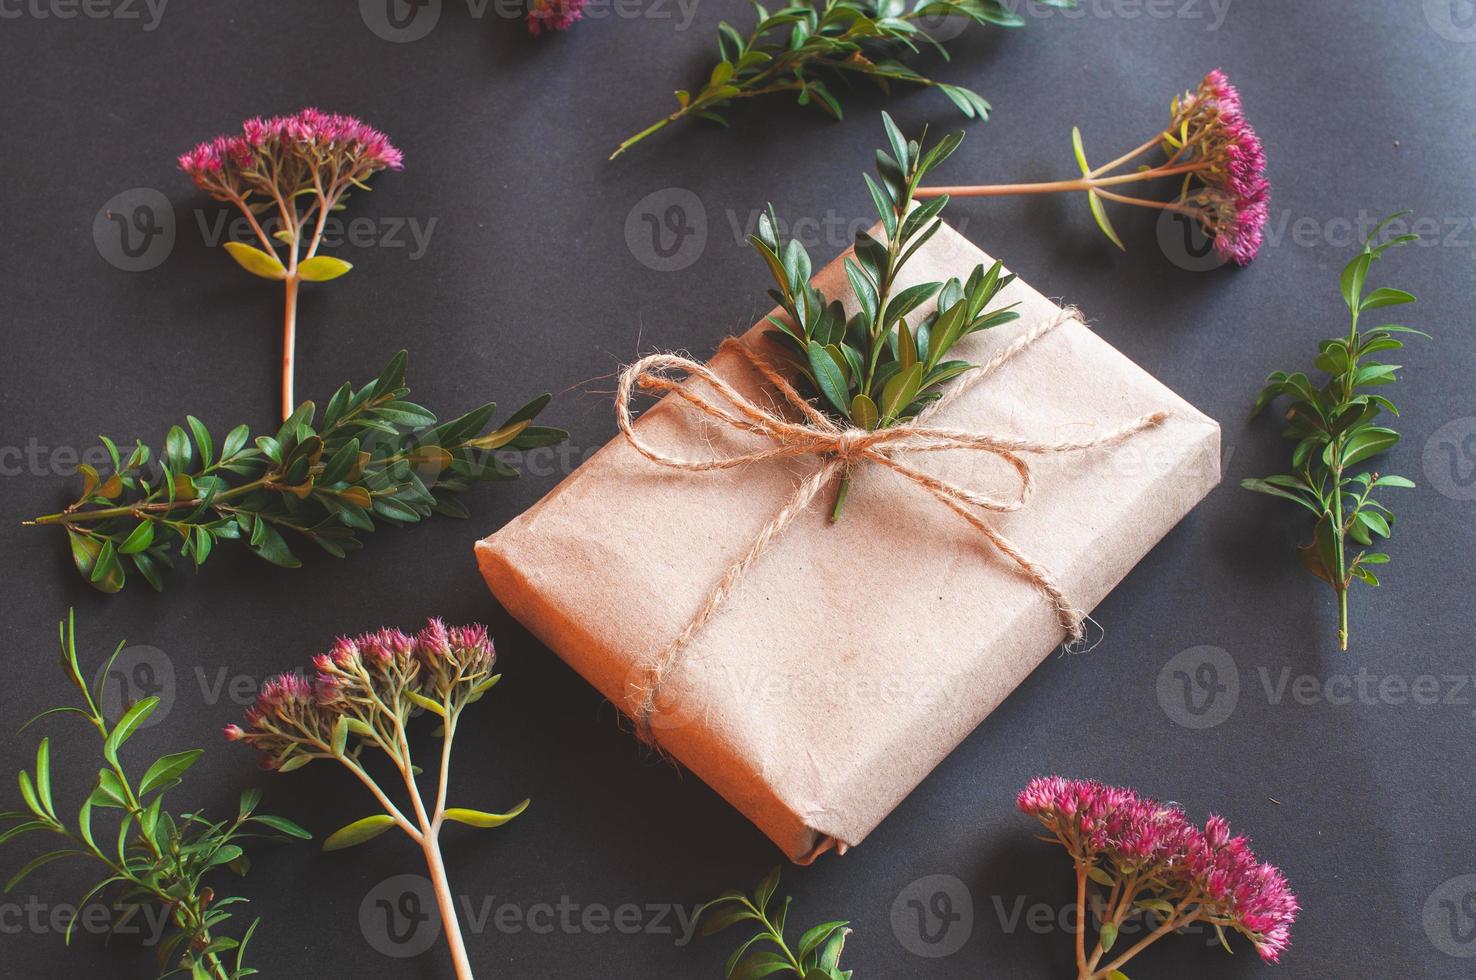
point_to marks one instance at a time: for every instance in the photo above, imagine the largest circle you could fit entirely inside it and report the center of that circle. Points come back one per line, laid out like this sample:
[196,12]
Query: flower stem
[1081,888]
[1170,924]
[289,346]
[430,843]
[447,903]
[1054,186]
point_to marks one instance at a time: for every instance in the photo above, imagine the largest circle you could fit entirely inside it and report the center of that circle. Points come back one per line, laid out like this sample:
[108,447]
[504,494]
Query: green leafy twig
[1333,428]
[816,957]
[874,370]
[372,455]
[794,49]
[158,857]
[362,698]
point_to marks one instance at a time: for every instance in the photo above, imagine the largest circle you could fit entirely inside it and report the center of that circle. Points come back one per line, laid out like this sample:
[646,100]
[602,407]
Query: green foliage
[371,455]
[796,49]
[816,957]
[873,370]
[1334,428]
[152,855]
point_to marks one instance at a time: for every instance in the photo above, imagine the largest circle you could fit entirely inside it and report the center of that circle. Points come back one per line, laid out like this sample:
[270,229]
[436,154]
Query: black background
[530,283]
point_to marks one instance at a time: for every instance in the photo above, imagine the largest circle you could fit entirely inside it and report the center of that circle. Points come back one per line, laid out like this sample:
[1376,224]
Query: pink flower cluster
[295,716]
[553,15]
[338,149]
[1235,199]
[1207,874]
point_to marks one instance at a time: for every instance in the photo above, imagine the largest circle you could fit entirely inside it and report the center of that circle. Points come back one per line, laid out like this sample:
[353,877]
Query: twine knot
[843,448]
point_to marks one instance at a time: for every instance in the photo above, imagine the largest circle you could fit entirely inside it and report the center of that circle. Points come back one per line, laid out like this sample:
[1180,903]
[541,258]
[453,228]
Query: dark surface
[529,283]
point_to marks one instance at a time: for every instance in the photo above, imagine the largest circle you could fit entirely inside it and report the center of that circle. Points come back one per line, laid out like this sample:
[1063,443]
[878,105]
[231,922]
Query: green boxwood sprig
[815,957]
[873,370]
[810,44]
[371,456]
[1334,428]
[151,855]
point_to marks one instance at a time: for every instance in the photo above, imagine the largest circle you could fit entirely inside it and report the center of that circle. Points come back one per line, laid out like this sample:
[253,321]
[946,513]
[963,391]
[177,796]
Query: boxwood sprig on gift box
[1333,426]
[372,455]
[151,855]
[873,370]
[766,952]
[795,49]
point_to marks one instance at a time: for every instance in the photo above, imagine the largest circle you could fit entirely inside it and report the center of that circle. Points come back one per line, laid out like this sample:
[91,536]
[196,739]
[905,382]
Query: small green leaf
[166,770]
[268,544]
[864,413]
[282,825]
[480,818]
[1081,157]
[358,832]
[1385,297]
[1108,936]
[432,706]
[139,539]
[828,376]
[127,725]
[323,268]
[1103,222]
[255,261]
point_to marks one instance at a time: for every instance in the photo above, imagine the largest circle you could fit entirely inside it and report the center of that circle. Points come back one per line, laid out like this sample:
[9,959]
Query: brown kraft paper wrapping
[853,656]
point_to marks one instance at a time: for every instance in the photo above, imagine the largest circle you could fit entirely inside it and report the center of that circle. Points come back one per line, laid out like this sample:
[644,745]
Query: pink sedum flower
[336,149]
[376,679]
[1232,198]
[1154,853]
[553,15]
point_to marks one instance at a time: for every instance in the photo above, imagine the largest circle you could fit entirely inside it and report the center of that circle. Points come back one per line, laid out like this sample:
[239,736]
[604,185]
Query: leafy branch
[373,455]
[838,39]
[158,857]
[1333,428]
[874,370]
[816,957]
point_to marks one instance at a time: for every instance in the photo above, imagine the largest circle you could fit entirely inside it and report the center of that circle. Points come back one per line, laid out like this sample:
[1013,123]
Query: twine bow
[843,448]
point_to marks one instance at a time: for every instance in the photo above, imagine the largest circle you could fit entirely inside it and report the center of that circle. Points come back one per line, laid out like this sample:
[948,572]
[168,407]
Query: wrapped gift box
[854,656]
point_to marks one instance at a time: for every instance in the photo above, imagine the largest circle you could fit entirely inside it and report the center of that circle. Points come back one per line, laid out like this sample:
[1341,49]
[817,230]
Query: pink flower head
[287,713]
[1133,838]
[282,156]
[456,659]
[1232,197]
[554,15]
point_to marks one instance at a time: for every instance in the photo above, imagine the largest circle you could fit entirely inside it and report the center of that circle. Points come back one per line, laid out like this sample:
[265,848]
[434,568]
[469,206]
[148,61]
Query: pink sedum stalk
[290,172]
[1146,855]
[362,696]
[553,15]
[1209,148]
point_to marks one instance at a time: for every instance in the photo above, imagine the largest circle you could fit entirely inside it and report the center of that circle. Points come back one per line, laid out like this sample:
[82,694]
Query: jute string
[843,449]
